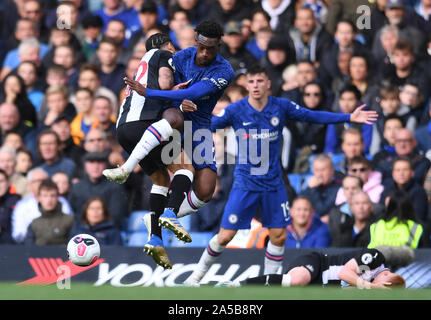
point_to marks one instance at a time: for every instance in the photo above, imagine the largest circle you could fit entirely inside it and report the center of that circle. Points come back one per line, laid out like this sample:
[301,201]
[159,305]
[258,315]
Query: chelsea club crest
[275,121]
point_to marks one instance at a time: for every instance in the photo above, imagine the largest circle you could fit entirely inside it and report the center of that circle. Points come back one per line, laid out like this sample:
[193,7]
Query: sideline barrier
[129,266]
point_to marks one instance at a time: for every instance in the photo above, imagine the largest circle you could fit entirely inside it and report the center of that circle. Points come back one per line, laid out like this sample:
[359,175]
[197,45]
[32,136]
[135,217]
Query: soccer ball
[83,250]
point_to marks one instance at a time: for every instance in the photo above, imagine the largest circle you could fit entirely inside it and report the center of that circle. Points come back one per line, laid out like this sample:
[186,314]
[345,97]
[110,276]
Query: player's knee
[160,178]
[205,193]
[175,118]
[300,276]
[224,236]
[278,237]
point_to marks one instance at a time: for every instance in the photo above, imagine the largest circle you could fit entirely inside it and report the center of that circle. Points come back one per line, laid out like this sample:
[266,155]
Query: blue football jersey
[259,135]
[217,76]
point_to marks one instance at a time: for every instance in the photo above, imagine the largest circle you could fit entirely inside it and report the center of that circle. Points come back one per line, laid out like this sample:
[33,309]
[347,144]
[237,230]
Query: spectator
[342,10]
[350,185]
[61,126]
[50,157]
[111,73]
[259,20]
[305,229]
[344,37]
[322,186]
[352,145]
[92,30]
[7,164]
[179,18]
[112,9]
[258,45]
[57,104]
[405,145]
[24,162]
[405,69]
[395,13]
[186,37]
[103,114]
[34,11]
[28,72]
[350,99]
[306,72]
[84,120]
[26,210]
[65,56]
[403,179]
[234,49]
[360,167]
[13,140]
[148,16]
[390,105]
[310,40]
[353,230]
[89,78]
[384,52]
[10,122]
[53,226]
[78,9]
[411,97]
[28,50]
[96,221]
[94,183]
[312,135]
[14,92]
[399,225]
[224,11]
[7,203]
[62,180]
[197,9]
[278,57]
[282,13]
[392,124]
[132,66]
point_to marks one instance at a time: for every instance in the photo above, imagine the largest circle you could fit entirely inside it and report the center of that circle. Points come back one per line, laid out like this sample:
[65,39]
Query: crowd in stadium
[63,64]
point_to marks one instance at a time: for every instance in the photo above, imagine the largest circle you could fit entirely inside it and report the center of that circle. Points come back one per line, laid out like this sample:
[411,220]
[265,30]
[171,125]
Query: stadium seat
[199,240]
[304,184]
[295,180]
[137,239]
[135,221]
[337,159]
[310,163]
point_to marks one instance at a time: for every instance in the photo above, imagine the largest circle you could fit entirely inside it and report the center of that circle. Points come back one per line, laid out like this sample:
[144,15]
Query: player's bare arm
[350,274]
[166,78]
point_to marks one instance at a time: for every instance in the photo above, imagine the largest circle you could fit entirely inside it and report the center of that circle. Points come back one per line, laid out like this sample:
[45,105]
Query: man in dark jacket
[403,179]
[234,49]
[322,187]
[405,146]
[352,229]
[224,11]
[7,203]
[95,184]
[53,226]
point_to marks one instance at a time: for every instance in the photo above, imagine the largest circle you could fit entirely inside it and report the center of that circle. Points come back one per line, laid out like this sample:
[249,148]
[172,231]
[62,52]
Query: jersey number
[142,69]
[285,207]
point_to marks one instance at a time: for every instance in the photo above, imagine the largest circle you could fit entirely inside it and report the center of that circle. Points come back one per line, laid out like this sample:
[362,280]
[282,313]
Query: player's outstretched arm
[363,116]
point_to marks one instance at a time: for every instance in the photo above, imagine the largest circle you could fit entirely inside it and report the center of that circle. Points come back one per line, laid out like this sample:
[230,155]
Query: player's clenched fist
[188,106]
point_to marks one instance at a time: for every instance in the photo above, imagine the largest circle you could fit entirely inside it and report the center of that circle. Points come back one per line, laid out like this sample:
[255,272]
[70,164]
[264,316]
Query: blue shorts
[242,206]
[201,151]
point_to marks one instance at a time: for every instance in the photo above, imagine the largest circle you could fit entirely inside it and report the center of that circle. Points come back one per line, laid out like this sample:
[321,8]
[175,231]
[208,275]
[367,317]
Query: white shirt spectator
[25,211]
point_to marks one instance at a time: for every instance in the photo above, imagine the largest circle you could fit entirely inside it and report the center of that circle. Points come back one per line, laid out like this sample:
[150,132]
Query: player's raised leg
[157,133]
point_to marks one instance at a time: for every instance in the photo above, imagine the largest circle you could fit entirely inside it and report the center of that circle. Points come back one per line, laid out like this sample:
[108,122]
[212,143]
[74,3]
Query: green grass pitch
[83,291]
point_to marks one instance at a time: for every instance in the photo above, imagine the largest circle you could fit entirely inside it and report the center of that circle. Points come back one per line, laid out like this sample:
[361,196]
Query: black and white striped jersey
[370,261]
[136,107]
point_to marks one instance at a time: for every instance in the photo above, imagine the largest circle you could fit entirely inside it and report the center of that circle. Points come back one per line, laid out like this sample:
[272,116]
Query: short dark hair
[351,88]
[404,45]
[256,69]
[348,22]
[48,185]
[210,29]
[92,21]
[111,41]
[156,41]
[360,159]
[405,159]
[394,117]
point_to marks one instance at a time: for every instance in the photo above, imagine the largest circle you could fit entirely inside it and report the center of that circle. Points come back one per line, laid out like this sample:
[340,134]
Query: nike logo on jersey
[246,123]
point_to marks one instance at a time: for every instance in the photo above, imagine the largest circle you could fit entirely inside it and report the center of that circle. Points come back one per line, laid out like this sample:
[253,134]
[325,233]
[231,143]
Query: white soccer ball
[83,250]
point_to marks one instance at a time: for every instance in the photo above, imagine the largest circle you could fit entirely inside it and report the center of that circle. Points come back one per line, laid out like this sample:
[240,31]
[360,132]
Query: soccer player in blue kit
[261,117]
[208,74]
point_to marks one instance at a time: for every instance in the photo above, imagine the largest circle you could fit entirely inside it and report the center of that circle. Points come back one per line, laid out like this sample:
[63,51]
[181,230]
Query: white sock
[273,259]
[152,137]
[190,205]
[209,256]
[286,280]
